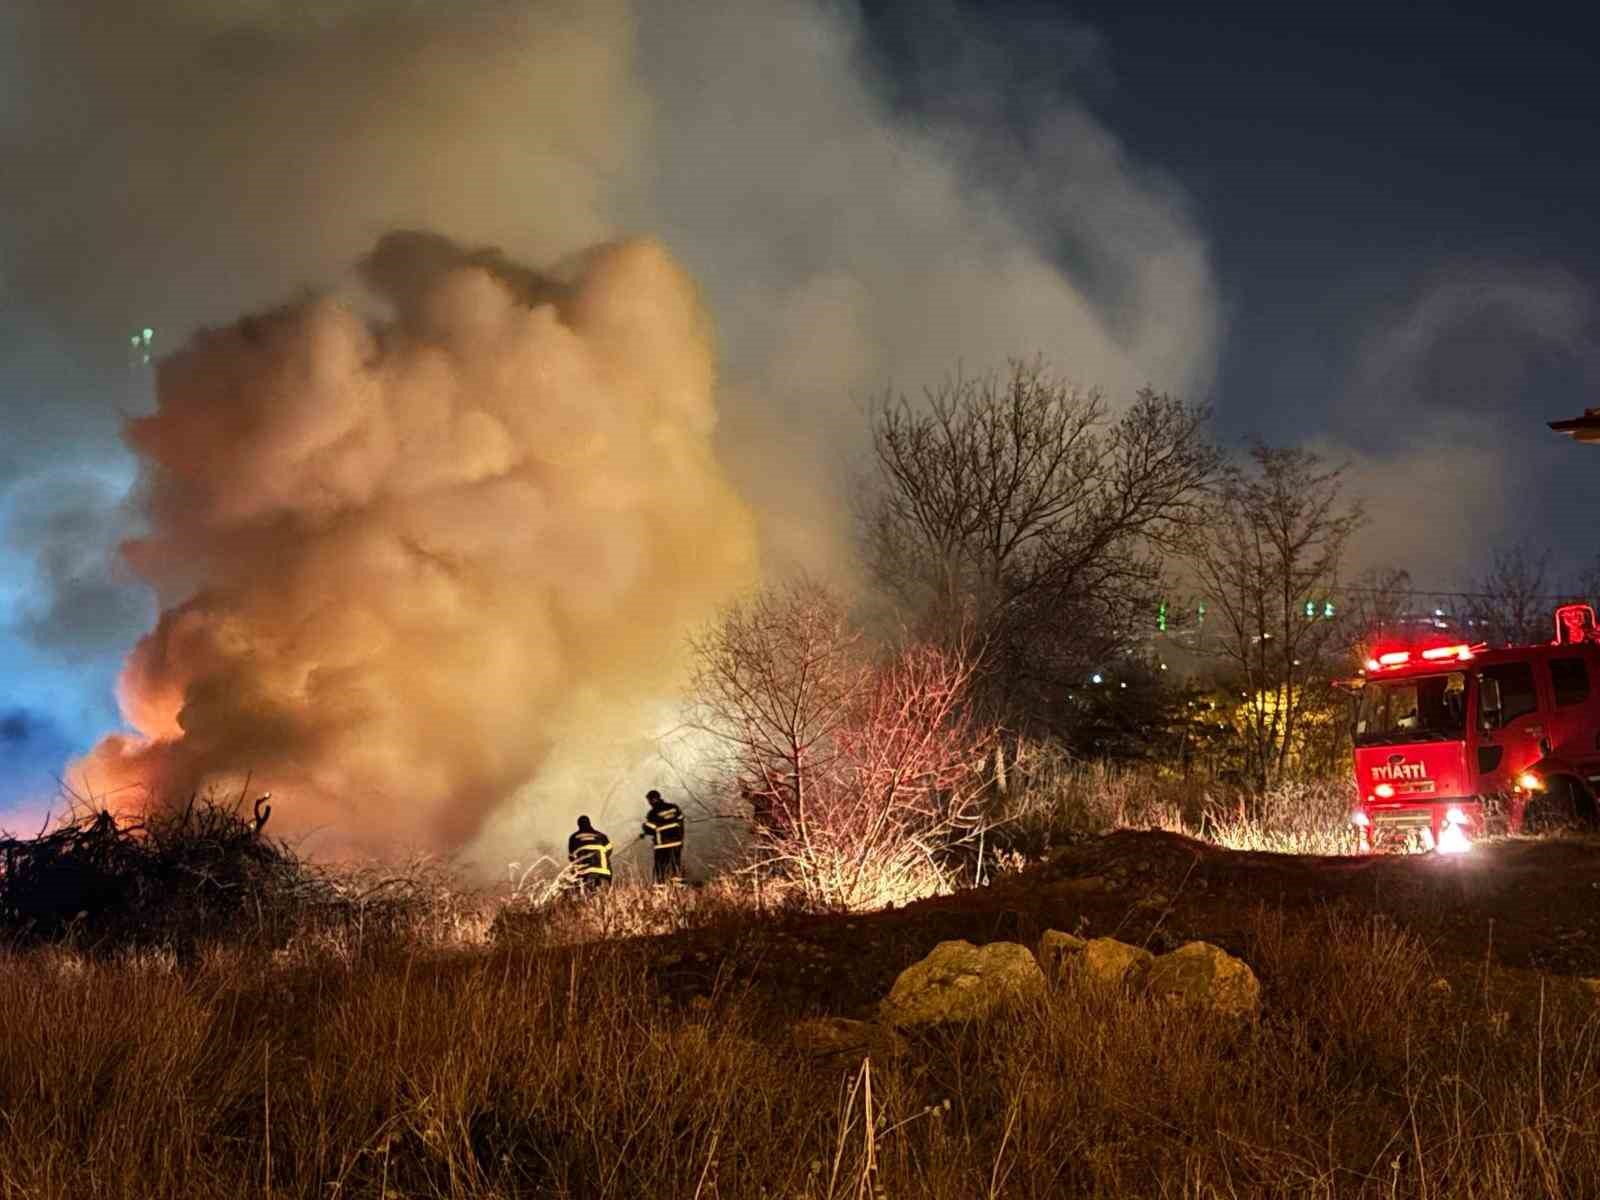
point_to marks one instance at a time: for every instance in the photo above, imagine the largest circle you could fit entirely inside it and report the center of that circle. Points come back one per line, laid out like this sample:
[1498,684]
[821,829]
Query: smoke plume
[174,164]
[413,545]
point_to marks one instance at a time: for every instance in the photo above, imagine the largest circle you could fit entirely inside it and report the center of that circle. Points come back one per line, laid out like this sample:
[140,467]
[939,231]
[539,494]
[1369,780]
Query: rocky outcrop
[1202,975]
[1056,953]
[962,982]
[1198,973]
[1112,963]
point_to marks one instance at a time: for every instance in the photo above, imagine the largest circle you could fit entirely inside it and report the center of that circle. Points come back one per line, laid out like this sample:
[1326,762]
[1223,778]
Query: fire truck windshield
[1430,708]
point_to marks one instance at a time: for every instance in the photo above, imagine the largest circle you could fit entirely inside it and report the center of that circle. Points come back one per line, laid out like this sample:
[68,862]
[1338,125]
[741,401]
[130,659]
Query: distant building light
[1095,678]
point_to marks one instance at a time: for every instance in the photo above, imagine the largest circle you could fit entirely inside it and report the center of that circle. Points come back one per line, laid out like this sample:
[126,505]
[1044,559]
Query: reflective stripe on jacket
[591,850]
[665,824]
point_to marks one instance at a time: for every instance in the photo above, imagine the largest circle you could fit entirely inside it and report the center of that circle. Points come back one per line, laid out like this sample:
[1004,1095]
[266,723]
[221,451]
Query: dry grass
[1055,801]
[625,911]
[569,1074]
[417,1039]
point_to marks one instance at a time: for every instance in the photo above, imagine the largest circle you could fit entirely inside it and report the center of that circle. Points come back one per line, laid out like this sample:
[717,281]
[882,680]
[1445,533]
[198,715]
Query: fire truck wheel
[1561,806]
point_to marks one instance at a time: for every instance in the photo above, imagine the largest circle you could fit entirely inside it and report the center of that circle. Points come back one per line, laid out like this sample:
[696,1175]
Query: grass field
[561,1054]
[574,1073]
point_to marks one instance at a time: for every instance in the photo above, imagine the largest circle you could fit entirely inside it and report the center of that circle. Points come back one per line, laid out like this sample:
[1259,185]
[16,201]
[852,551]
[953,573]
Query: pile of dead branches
[181,876]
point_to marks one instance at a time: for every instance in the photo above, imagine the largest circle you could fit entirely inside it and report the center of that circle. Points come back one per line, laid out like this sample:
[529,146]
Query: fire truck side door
[1571,712]
[1517,725]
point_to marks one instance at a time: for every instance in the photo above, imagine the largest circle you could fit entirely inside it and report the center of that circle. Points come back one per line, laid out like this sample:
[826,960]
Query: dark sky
[1344,157]
[1355,168]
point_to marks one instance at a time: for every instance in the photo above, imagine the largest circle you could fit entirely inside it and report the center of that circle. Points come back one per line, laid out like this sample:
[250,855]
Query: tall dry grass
[1051,800]
[572,1074]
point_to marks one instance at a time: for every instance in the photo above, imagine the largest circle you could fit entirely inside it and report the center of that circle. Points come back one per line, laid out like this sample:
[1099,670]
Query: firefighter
[663,824]
[590,851]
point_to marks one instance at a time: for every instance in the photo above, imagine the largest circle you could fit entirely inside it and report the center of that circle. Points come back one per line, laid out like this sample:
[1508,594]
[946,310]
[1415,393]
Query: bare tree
[776,679]
[1509,606]
[1273,547]
[1376,609]
[1020,503]
[863,769]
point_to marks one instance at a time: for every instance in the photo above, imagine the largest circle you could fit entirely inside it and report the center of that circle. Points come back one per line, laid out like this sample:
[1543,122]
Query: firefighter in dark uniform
[663,824]
[590,851]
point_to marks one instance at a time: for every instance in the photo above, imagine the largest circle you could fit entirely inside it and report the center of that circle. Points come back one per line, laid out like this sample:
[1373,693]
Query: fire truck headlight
[1454,816]
[1360,819]
[1384,791]
[1453,840]
[1529,782]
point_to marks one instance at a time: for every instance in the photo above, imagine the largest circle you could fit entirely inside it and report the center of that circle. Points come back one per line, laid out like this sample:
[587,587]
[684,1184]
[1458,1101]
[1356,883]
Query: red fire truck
[1455,741]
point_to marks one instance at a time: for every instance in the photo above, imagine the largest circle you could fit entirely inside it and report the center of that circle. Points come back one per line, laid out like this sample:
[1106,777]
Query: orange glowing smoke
[392,554]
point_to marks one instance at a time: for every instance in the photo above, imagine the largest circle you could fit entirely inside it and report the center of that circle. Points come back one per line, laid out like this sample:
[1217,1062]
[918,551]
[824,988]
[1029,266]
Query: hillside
[1424,1030]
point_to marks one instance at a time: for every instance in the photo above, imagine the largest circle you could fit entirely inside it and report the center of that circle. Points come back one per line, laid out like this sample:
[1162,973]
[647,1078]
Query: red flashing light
[1461,652]
[1575,623]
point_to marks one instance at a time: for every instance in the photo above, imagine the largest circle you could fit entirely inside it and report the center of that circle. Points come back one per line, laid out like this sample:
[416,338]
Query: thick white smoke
[174,164]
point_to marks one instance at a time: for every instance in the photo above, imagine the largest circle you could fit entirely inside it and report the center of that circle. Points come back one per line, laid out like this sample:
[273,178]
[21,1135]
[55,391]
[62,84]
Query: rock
[961,982]
[1203,975]
[1108,961]
[1055,950]
[842,1036]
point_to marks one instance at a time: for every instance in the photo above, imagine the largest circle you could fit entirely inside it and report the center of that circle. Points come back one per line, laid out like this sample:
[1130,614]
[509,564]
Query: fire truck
[1456,741]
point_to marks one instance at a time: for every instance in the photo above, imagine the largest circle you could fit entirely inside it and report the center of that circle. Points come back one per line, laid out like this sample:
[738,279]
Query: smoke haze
[519,472]
[1433,423]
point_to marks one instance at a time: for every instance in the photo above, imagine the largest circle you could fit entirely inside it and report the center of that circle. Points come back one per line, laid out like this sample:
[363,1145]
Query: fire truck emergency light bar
[1399,658]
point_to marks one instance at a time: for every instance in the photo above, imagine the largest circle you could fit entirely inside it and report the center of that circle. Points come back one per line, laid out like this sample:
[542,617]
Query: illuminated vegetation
[582,1073]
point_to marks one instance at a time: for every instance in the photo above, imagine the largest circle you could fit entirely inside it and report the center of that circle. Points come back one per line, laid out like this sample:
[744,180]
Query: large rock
[1056,952]
[1108,961]
[962,982]
[1202,975]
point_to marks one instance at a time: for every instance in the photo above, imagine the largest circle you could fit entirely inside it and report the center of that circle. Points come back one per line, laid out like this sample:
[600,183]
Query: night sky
[1369,230]
[1352,168]
[1344,163]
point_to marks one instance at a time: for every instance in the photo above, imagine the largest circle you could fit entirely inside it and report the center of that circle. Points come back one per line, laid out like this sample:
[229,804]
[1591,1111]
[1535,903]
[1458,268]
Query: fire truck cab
[1455,741]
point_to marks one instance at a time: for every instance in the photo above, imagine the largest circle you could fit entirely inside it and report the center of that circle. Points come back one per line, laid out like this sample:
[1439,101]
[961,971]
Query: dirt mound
[1517,903]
